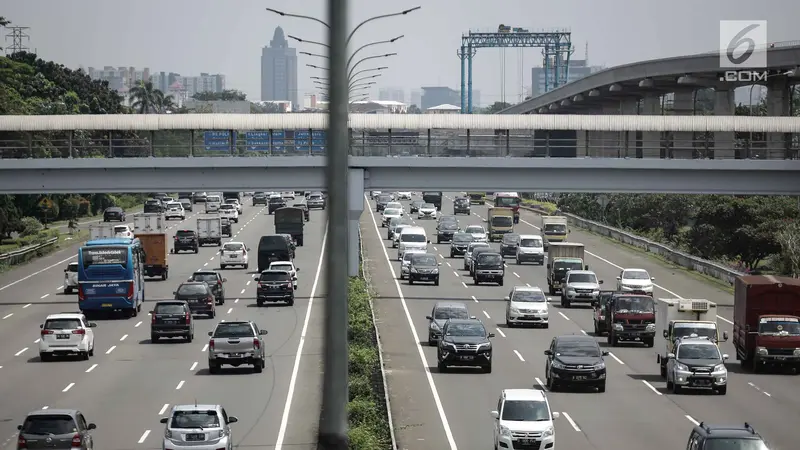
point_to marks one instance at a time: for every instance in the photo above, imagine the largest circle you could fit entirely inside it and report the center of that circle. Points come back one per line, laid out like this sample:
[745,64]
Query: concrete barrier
[677,257]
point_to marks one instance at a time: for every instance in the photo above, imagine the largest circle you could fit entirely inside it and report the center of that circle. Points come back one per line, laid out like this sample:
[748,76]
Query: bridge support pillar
[355,206]
[629,107]
[683,141]
[724,141]
[779,105]
[581,143]
[613,146]
[651,140]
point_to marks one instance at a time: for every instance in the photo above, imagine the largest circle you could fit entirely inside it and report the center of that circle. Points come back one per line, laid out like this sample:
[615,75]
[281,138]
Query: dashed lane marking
[571,422]
[163,409]
[124,336]
[180,385]
[194,366]
[144,436]
[651,387]
[137,324]
[7,316]
[519,355]
[563,315]
[486,314]
[91,368]
[500,332]
[69,386]
[615,358]
[475,299]
[44,296]
[464,284]
[691,419]
[759,389]
[29,304]
[21,351]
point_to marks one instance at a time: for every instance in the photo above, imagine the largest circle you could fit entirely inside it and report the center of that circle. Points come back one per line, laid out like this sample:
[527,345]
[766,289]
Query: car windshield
[170,308]
[424,260]
[486,260]
[582,278]
[475,245]
[525,411]
[412,237]
[555,228]
[233,247]
[529,296]
[450,312]
[502,221]
[448,226]
[684,329]
[698,351]
[510,238]
[477,229]
[564,265]
[779,325]
[41,425]
[463,238]
[530,243]
[466,329]
[233,330]
[227,207]
[121,229]
[195,419]
[635,275]
[643,304]
[62,324]
[734,444]
[207,277]
[427,206]
[191,289]
[274,276]
[72,267]
[283,267]
[578,348]
[391,212]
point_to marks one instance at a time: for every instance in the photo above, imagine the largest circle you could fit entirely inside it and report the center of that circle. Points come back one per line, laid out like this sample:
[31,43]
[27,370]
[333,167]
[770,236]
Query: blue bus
[111,276]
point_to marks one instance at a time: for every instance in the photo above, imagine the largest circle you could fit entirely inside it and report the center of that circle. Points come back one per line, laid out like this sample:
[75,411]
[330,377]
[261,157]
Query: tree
[3,24]
[145,98]
[496,107]
[226,95]
[414,109]
[789,239]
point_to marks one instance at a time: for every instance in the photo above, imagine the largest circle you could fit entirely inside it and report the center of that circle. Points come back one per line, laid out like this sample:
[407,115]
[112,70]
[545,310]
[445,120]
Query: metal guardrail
[677,257]
[19,255]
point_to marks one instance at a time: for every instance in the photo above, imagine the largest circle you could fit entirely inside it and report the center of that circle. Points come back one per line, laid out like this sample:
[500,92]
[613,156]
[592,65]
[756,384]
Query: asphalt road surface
[130,382]
[449,411]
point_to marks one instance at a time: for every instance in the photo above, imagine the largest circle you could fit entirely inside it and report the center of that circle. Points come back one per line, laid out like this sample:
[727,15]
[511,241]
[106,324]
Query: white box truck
[683,317]
[554,229]
[101,231]
[209,230]
[150,223]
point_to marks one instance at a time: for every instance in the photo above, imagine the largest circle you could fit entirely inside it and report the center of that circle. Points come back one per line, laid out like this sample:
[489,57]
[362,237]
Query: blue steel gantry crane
[556,49]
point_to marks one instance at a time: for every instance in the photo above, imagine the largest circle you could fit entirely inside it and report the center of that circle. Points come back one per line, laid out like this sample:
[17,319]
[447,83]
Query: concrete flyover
[130,382]
[434,411]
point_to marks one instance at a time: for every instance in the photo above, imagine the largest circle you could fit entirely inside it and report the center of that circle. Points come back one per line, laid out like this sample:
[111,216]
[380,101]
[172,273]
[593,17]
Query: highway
[440,411]
[130,382]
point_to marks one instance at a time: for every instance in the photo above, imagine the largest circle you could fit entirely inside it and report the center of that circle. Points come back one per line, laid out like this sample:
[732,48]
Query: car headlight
[485,344]
[720,368]
[504,431]
[448,344]
[220,434]
[796,352]
[556,365]
[547,432]
[650,327]
[435,271]
[681,367]
[600,366]
[761,351]
[514,309]
[413,270]
[434,326]
[618,327]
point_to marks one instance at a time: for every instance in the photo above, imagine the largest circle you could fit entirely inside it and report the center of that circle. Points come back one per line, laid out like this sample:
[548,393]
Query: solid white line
[563,315]
[110,349]
[519,356]
[144,436]
[44,296]
[465,285]
[7,316]
[124,336]
[91,368]
[651,387]
[180,385]
[163,409]
[615,357]
[205,347]
[691,419]
[69,386]
[295,370]
[434,391]
[137,324]
[476,300]
[500,332]
[194,365]
[21,351]
[571,422]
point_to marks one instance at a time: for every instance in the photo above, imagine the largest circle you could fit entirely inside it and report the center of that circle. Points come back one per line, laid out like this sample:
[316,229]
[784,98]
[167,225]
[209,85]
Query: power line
[18,37]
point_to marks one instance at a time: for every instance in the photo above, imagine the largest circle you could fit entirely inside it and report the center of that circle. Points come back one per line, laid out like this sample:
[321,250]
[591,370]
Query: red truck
[766,321]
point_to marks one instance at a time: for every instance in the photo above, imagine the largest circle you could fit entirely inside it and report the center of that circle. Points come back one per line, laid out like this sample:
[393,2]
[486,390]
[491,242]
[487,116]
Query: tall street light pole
[350,36]
[388,41]
[353,68]
[352,83]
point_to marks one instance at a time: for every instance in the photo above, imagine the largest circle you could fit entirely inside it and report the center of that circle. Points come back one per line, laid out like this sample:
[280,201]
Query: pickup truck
[235,344]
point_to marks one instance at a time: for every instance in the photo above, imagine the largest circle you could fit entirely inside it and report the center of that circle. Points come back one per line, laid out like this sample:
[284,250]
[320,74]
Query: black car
[489,266]
[171,318]
[461,206]
[442,312]
[260,198]
[275,203]
[153,205]
[274,286]
[714,437]
[464,342]
[415,205]
[186,240]
[199,296]
[114,213]
[509,244]
[382,201]
[304,207]
[445,231]
[575,359]
[215,282]
[424,267]
[225,227]
[459,244]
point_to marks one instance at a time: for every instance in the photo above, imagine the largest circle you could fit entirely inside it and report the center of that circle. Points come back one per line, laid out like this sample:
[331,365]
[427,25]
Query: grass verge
[367,415]
[547,207]
[64,240]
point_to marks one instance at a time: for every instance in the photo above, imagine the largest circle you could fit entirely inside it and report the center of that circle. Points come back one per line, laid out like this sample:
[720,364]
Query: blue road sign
[278,141]
[316,139]
[257,141]
[218,141]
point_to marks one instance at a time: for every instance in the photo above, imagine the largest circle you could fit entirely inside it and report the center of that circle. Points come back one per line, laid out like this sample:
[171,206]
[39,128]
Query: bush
[84,207]
[29,226]
[70,208]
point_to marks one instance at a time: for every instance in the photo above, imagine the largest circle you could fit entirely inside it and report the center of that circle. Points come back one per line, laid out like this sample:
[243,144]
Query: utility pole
[18,36]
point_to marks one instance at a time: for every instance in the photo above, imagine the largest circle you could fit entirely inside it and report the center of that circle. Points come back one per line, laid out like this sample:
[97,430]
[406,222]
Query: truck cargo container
[682,317]
[561,258]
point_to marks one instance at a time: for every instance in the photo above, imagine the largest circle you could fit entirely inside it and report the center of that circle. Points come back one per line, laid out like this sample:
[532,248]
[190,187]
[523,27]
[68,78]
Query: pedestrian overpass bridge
[554,153]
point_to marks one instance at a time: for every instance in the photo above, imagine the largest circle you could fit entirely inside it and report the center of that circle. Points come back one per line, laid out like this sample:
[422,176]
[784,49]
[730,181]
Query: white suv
[175,211]
[66,334]
[527,306]
[235,202]
[523,420]
[234,254]
[229,212]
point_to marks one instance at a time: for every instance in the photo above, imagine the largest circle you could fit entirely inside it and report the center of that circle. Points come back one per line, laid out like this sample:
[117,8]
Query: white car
[523,412]
[286,266]
[478,233]
[234,254]
[288,194]
[397,230]
[229,212]
[389,214]
[395,205]
[236,203]
[527,305]
[406,195]
[427,211]
[405,262]
[123,232]
[175,211]
[66,334]
[635,281]
[71,278]
[213,202]
[274,195]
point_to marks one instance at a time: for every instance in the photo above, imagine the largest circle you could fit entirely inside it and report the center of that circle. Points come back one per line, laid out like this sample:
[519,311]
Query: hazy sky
[214,36]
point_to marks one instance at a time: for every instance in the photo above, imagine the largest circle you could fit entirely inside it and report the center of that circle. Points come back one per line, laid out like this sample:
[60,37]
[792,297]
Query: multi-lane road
[130,382]
[450,411]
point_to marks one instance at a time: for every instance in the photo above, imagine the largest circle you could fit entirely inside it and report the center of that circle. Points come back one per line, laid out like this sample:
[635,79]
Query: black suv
[113,213]
[415,205]
[509,244]
[215,282]
[459,244]
[424,267]
[445,231]
[171,318]
[274,286]
[730,437]
[461,206]
[382,201]
[153,205]
[275,203]
[260,198]
[464,342]
[575,360]
[186,240]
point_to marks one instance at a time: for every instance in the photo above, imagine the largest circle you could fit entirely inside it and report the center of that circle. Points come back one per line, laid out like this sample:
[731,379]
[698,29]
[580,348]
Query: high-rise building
[416,98]
[578,68]
[163,80]
[279,70]
[439,95]
[120,79]
[392,94]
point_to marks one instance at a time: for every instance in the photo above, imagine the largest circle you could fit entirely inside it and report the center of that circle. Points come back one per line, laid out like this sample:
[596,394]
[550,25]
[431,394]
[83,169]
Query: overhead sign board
[257,141]
[316,141]
[219,141]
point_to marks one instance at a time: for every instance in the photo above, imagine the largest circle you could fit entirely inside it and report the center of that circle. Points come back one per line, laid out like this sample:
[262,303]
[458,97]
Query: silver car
[198,427]
[56,429]
[405,263]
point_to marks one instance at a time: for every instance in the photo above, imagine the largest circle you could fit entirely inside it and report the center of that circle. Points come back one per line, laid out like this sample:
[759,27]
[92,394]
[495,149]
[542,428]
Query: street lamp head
[411,10]
[397,38]
[280,13]
[295,38]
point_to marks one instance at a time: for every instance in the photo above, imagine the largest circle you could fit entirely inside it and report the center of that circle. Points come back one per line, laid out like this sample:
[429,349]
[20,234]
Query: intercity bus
[111,276]
[508,200]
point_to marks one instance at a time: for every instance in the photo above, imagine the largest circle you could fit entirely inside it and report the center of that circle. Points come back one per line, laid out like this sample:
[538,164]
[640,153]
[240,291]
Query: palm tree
[166,104]
[145,98]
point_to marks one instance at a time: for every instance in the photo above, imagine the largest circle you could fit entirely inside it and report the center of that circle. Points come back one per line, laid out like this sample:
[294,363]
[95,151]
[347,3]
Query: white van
[213,203]
[412,238]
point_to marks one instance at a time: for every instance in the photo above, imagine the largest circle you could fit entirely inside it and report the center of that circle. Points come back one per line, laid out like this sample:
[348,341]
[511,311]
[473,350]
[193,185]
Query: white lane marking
[29,304]
[205,264]
[37,273]
[236,301]
[615,357]
[248,282]
[759,389]
[69,386]
[448,263]
[243,291]
[651,387]
[205,347]
[500,332]
[725,320]
[180,385]
[528,284]
[519,355]
[691,419]
[571,422]
[434,391]
[91,368]
[7,316]
[163,409]
[60,288]
[44,296]
[563,315]
[583,331]
[144,436]
[476,300]
[464,284]
[486,314]
[212,258]
[124,336]
[295,370]
[456,274]
[230,310]
[108,352]
[137,324]
[45,407]
[515,274]
[37,341]
[541,385]
[194,365]
[21,351]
